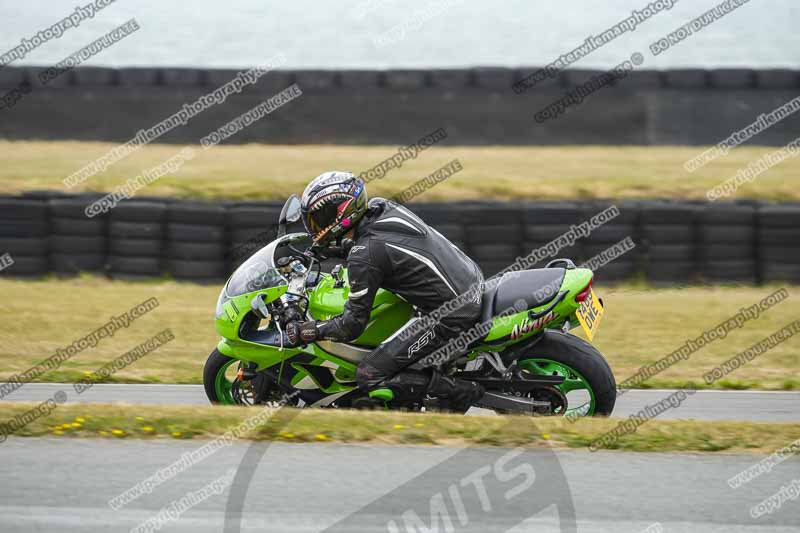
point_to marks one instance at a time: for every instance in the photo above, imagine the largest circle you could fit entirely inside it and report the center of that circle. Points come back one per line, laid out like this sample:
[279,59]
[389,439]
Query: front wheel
[589,385]
[219,374]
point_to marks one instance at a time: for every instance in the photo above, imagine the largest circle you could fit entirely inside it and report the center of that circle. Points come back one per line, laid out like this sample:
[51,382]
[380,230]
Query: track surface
[756,406]
[64,485]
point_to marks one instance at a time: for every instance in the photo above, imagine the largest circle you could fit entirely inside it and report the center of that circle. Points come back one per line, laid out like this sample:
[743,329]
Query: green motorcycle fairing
[317,368]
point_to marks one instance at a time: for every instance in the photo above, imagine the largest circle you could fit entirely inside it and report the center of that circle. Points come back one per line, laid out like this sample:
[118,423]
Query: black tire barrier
[195,233]
[490,268]
[544,233]
[75,263]
[453,232]
[780,216]
[437,214]
[725,242]
[195,240]
[195,213]
[575,252]
[136,234]
[137,211]
[27,266]
[666,213]
[71,244]
[734,271]
[778,237]
[615,271]
[17,209]
[128,247]
[259,216]
[143,266]
[670,271]
[77,243]
[195,251]
[668,233]
[727,234]
[257,236]
[723,229]
[74,207]
[23,228]
[553,213]
[781,272]
[486,234]
[22,246]
[785,253]
[669,253]
[611,233]
[192,269]
[135,230]
[495,252]
[208,251]
[725,252]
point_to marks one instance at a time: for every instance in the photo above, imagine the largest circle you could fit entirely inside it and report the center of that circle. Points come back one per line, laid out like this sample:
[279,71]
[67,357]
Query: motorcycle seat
[523,285]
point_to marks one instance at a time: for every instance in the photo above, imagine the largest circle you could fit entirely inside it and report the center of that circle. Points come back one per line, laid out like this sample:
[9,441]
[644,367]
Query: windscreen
[259,271]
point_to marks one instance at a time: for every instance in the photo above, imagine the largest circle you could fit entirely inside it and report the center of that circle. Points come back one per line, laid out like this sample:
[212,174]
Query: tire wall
[204,241]
[475,106]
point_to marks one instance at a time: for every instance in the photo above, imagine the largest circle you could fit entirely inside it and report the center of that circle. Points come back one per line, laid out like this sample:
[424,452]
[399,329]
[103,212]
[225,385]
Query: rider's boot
[405,387]
[455,395]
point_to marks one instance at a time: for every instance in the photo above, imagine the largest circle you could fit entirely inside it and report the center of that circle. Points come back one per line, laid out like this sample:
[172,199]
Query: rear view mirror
[289,213]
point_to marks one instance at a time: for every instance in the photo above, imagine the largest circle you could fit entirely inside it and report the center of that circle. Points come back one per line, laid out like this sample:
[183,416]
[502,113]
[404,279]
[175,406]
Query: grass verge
[641,325]
[344,426]
[249,172]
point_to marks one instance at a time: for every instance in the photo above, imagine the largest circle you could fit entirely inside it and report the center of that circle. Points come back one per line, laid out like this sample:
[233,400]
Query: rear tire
[583,358]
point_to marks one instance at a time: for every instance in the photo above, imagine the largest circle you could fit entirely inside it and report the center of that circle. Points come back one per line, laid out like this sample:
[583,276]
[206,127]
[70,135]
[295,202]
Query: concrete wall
[475,106]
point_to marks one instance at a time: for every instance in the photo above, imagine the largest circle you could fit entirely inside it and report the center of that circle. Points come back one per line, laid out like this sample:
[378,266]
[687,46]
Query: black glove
[301,332]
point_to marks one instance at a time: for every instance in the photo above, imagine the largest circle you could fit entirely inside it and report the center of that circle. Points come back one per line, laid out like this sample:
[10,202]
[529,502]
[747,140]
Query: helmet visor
[320,218]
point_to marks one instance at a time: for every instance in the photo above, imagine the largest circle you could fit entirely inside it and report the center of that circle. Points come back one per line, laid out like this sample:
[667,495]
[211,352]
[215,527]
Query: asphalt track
[64,485]
[755,406]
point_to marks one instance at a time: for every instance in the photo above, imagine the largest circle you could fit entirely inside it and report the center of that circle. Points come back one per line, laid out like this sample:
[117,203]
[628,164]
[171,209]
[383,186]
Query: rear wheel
[589,385]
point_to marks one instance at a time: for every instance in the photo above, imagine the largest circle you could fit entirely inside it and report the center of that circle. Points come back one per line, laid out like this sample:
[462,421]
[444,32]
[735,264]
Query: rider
[391,248]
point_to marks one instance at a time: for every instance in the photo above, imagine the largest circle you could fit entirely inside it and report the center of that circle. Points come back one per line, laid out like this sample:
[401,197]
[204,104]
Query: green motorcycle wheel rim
[573,381]
[223,386]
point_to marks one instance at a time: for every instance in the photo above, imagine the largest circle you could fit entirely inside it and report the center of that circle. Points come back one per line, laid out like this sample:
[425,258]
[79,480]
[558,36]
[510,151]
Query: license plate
[589,314]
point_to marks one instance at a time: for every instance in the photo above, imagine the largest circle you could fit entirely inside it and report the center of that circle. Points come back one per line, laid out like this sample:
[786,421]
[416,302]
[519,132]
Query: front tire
[218,387]
[583,367]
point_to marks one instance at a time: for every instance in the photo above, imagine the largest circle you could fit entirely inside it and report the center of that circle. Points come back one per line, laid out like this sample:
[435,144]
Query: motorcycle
[527,362]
